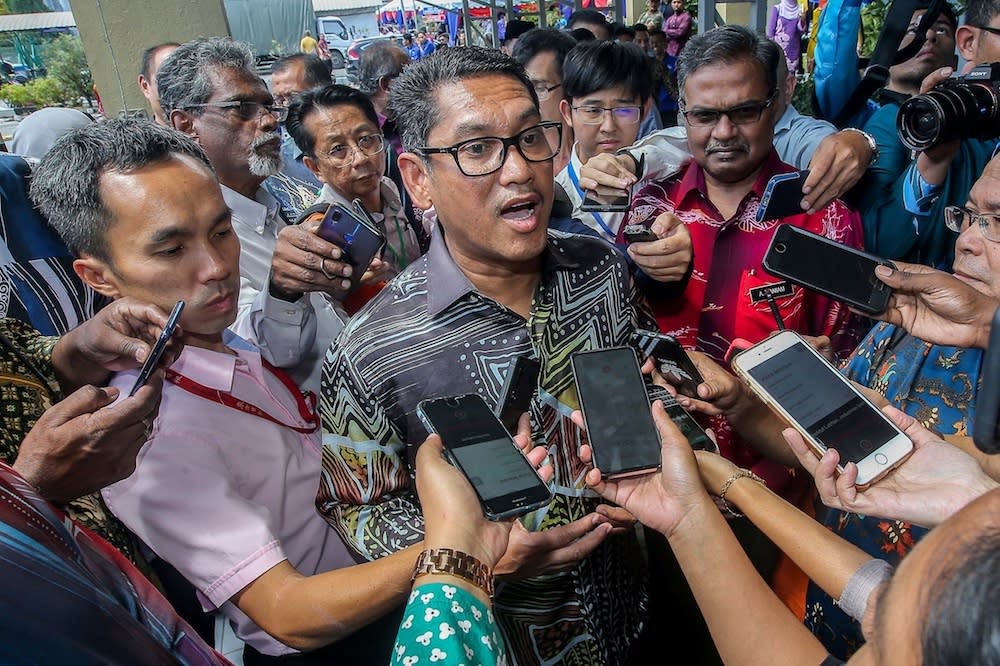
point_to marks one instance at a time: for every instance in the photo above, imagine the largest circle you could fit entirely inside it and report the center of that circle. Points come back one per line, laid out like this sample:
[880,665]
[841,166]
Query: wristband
[876,153]
[454,563]
[740,474]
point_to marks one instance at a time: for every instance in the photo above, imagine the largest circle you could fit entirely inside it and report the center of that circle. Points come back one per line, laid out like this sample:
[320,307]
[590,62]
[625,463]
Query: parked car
[358,47]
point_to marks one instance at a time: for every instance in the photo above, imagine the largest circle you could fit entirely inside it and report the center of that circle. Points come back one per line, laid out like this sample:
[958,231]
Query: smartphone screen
[359,241]
[671,360]
[157,351]
[782,196]
[592,203]
[824,405]
[615,408]
[478,444]
[518,389]
[831,268]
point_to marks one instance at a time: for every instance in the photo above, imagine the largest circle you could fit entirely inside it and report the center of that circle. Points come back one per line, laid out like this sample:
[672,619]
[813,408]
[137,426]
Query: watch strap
[871,143]
[455,563]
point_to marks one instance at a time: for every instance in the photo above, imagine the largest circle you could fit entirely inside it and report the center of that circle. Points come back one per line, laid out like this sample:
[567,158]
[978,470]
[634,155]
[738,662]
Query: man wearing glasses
[337,129]
[497,283]
[210,91]
[728,79]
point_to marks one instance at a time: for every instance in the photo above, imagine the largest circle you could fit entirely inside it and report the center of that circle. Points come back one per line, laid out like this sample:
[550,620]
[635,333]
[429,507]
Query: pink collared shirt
[224,496]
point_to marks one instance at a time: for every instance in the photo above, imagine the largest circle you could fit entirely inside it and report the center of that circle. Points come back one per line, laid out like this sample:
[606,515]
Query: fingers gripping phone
[157,351]
[671,360]
[828,267]
[616,413]
[357,237]
[478,445]
[519,387]
[794,379]
[782,196]
[689,427]
[605,204]
[639,233]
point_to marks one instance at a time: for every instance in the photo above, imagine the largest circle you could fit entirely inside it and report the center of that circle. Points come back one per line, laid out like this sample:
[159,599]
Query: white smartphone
[830,413]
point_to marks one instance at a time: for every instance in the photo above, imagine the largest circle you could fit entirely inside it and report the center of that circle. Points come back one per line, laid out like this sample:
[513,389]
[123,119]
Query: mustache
[266,137]
[718,146]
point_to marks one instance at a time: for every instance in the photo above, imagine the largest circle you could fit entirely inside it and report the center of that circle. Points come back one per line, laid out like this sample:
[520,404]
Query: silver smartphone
[830,413]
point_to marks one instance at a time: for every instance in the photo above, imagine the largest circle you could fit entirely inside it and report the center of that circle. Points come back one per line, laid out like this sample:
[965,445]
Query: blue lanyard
[597,216]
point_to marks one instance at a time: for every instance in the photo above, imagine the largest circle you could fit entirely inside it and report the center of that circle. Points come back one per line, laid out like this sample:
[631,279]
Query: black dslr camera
[959,108]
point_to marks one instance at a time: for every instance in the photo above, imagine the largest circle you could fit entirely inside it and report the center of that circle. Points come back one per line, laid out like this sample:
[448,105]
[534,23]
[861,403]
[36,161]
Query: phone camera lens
[336,215]
[451,402]
[780,248]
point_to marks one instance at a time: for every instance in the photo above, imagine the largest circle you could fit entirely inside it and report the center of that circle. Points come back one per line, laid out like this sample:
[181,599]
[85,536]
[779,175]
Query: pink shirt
[222,495]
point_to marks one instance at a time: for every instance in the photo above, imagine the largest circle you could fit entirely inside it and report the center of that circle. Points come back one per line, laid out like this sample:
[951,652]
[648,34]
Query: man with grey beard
[290,278]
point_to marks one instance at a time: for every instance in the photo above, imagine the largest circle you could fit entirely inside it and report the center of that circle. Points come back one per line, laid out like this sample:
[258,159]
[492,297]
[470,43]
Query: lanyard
[306,400]
[597,216]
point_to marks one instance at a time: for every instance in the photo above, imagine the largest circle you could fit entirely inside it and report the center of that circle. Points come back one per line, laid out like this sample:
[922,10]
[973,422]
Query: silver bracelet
[876,153]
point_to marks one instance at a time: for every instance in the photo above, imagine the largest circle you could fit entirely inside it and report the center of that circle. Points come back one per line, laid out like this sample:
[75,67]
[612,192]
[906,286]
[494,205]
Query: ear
[98,275]
[143,84]
[182,121]
[567,112]
[966,41]
[416,179]
[314,167]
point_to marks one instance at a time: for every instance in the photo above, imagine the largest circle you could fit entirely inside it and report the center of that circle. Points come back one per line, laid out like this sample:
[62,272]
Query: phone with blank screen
[782,196]
[481,448]
[620,428]
[158,348]
[519,387]
[788,374]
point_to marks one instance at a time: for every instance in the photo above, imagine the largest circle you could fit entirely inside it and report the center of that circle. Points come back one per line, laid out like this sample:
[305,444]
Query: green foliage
[38,93]
[26,6]
[802,99]
[67,64]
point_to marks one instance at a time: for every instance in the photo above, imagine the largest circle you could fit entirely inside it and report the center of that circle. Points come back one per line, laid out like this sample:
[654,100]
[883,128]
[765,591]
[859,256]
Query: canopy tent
[401,12]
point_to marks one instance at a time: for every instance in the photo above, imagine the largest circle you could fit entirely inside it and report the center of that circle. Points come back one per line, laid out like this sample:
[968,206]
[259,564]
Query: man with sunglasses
[728,82]
[497,283]
[291,280]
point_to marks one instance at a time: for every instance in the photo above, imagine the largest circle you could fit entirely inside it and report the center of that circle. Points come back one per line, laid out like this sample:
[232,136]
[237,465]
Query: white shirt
[605,223]
[294,336]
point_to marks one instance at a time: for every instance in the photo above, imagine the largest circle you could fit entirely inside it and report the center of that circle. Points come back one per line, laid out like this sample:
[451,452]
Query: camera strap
[887,52]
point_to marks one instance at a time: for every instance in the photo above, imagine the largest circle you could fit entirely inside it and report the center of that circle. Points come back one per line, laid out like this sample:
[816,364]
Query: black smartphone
[638,233]
[615,407]
[782,196]
[985,430]
[359,240]
[157,351]
[671,360]
[478,445]
[595,204]
[831,268]
[689,427]
[519,387]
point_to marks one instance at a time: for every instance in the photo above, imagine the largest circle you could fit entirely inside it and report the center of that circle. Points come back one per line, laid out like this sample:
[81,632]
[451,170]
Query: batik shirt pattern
[430,334]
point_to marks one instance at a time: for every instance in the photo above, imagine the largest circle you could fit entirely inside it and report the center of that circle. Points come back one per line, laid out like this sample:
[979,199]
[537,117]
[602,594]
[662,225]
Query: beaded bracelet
[740,474]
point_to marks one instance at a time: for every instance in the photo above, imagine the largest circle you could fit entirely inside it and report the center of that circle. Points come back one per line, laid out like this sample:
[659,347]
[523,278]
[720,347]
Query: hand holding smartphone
[357,236]
[157,351]
[481,448]
[519,387]
[782,196]
[594,203]
[615,408]
[671,360]
[830,413]
[828,267]
[638,233]
[986,429]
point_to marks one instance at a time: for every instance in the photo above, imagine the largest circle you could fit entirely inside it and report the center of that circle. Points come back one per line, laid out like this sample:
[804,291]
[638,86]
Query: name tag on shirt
[770,291]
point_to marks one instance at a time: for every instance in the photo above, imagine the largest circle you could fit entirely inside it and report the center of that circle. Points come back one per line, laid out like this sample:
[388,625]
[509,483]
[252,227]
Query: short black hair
[625,30]
[149,54]
[413,97]
[728,44]
[640,27]
[325,97]
[378,61]
[587,16]
[981,12]
[597,65]
[543,40]
[947,12]
[516,28]
[582,35]
[656,32]
[313,69]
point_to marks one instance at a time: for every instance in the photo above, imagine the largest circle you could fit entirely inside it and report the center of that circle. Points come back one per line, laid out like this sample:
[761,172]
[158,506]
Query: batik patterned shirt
[429,333]
[935,385]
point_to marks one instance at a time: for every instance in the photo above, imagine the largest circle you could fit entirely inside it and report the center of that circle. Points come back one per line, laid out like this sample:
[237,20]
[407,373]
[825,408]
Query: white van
[338,39]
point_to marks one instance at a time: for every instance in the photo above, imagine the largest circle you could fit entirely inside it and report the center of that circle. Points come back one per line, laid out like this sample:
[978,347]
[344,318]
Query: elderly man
[496,284]
[224,487]
[290,278]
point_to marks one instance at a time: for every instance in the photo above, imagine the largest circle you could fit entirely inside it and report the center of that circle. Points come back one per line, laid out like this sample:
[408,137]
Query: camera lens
[780,248]
[336,215]
[956,109]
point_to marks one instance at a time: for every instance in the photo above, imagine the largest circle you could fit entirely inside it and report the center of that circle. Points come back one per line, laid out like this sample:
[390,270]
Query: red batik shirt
[716,306]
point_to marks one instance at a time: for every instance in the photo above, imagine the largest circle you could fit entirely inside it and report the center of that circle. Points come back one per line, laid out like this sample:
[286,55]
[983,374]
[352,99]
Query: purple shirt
[222,495]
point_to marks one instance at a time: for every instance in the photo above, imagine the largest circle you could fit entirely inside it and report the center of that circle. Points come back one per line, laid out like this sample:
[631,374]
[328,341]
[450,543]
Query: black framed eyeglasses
[957,218]
[485,154]
[247,110]
[594,115]
[542,90]
[343,155]
[741,114]
[987,28]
